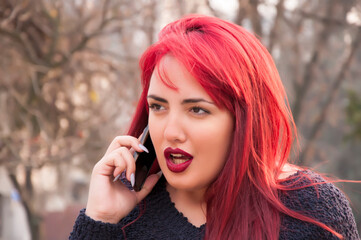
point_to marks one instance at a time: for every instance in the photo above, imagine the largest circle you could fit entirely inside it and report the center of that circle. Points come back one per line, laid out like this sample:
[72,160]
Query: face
[191,135]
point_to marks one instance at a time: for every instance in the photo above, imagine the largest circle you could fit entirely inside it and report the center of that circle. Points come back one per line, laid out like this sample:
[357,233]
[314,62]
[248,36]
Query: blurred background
[69,83]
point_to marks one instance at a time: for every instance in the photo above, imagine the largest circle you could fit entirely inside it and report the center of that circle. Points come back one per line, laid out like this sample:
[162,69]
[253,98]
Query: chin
[188,183]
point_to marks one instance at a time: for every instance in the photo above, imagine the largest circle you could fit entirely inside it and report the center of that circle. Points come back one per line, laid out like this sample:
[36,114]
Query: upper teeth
[176,155]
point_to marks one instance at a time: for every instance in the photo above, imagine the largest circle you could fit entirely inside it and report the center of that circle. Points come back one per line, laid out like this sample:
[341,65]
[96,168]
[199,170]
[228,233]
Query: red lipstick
[177,160]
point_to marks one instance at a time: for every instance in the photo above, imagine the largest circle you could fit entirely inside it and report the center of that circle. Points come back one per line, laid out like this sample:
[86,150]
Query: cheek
[212,148]
[218,148]
[219,143]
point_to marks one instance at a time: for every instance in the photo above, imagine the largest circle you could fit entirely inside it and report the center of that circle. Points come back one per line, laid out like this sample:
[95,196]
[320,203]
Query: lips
[177,160]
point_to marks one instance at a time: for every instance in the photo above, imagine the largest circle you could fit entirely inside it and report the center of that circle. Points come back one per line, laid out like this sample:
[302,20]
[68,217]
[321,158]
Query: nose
[174,129]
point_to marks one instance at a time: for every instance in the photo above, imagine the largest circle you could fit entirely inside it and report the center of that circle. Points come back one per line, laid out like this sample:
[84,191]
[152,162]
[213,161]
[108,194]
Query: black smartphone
[143,160]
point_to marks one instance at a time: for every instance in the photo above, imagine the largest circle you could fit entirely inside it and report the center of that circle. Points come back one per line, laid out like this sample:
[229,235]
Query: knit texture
[161,220]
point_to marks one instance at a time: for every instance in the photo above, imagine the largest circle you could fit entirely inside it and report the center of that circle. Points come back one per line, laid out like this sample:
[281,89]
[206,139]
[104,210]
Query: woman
[222,133]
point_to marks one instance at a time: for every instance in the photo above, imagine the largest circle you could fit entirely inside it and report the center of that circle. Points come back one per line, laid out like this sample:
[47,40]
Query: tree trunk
[32,217]
[317,126]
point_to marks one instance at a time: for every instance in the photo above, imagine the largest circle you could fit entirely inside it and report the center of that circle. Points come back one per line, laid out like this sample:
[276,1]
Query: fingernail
[132,179]
[143,148]
[116,178]
[160,173]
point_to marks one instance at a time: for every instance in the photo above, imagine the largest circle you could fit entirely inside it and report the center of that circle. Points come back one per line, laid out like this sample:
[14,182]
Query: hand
[110,201]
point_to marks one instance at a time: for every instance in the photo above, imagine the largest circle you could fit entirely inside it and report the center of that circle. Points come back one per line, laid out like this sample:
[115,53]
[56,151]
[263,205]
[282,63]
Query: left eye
[199,110]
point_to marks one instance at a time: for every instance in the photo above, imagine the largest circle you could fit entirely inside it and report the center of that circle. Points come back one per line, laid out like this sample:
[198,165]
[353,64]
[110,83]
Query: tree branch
[255,18]
[241,13]
[276,23]
[311,66]
[317,126]
[28,53]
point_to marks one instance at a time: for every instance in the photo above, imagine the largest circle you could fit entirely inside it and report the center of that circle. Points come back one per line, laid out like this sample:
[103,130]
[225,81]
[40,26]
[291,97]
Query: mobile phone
[143,160]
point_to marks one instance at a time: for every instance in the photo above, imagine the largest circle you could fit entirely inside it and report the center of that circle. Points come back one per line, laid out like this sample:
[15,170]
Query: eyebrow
[185,101]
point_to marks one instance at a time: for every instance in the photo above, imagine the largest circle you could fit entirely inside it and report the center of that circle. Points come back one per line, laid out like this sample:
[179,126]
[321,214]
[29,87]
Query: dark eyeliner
[200,108]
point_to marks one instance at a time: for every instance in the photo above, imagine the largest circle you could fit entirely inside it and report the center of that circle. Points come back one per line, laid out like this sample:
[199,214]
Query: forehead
[171,75]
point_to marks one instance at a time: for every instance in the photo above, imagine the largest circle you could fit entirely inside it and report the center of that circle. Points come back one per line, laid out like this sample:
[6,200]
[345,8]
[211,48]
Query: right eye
[155,107]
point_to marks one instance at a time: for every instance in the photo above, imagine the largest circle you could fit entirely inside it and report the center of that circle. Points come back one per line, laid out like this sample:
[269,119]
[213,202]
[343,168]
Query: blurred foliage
[353,113]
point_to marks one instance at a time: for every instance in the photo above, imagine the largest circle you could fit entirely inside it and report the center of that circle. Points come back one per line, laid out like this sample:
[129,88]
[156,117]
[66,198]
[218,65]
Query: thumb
[148,186]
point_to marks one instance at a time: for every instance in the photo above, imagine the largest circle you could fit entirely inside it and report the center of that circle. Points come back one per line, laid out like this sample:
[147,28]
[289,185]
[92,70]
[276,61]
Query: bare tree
[317,50]
[68,70]
[54,70]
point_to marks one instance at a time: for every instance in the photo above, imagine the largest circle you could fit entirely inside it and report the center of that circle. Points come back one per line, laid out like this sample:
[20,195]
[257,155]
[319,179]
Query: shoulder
[309,193]
[311,186]
[307,190]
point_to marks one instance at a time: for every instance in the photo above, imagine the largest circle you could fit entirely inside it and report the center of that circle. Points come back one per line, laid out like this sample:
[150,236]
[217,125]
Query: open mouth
[178,158]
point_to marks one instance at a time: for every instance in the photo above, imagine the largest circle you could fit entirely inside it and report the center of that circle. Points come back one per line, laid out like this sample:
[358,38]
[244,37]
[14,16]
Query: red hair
[239,74]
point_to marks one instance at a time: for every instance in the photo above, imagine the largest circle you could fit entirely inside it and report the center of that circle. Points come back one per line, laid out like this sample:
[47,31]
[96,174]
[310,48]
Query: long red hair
[239,74]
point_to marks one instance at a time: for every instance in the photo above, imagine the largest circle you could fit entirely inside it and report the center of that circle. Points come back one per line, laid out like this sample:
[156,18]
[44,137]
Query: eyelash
[195,109]
[199,108]
[155,107]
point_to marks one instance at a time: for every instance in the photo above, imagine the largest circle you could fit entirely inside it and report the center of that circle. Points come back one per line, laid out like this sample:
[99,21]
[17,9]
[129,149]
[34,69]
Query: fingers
[124,141]
[119,156]
[148,186]
[121,159]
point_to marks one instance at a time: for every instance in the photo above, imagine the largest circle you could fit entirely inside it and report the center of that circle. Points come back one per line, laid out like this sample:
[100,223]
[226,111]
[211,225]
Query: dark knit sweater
[161,220]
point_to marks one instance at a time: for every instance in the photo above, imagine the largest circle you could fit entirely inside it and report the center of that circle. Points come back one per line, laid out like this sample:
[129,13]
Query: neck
[190,203]
[195,196]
